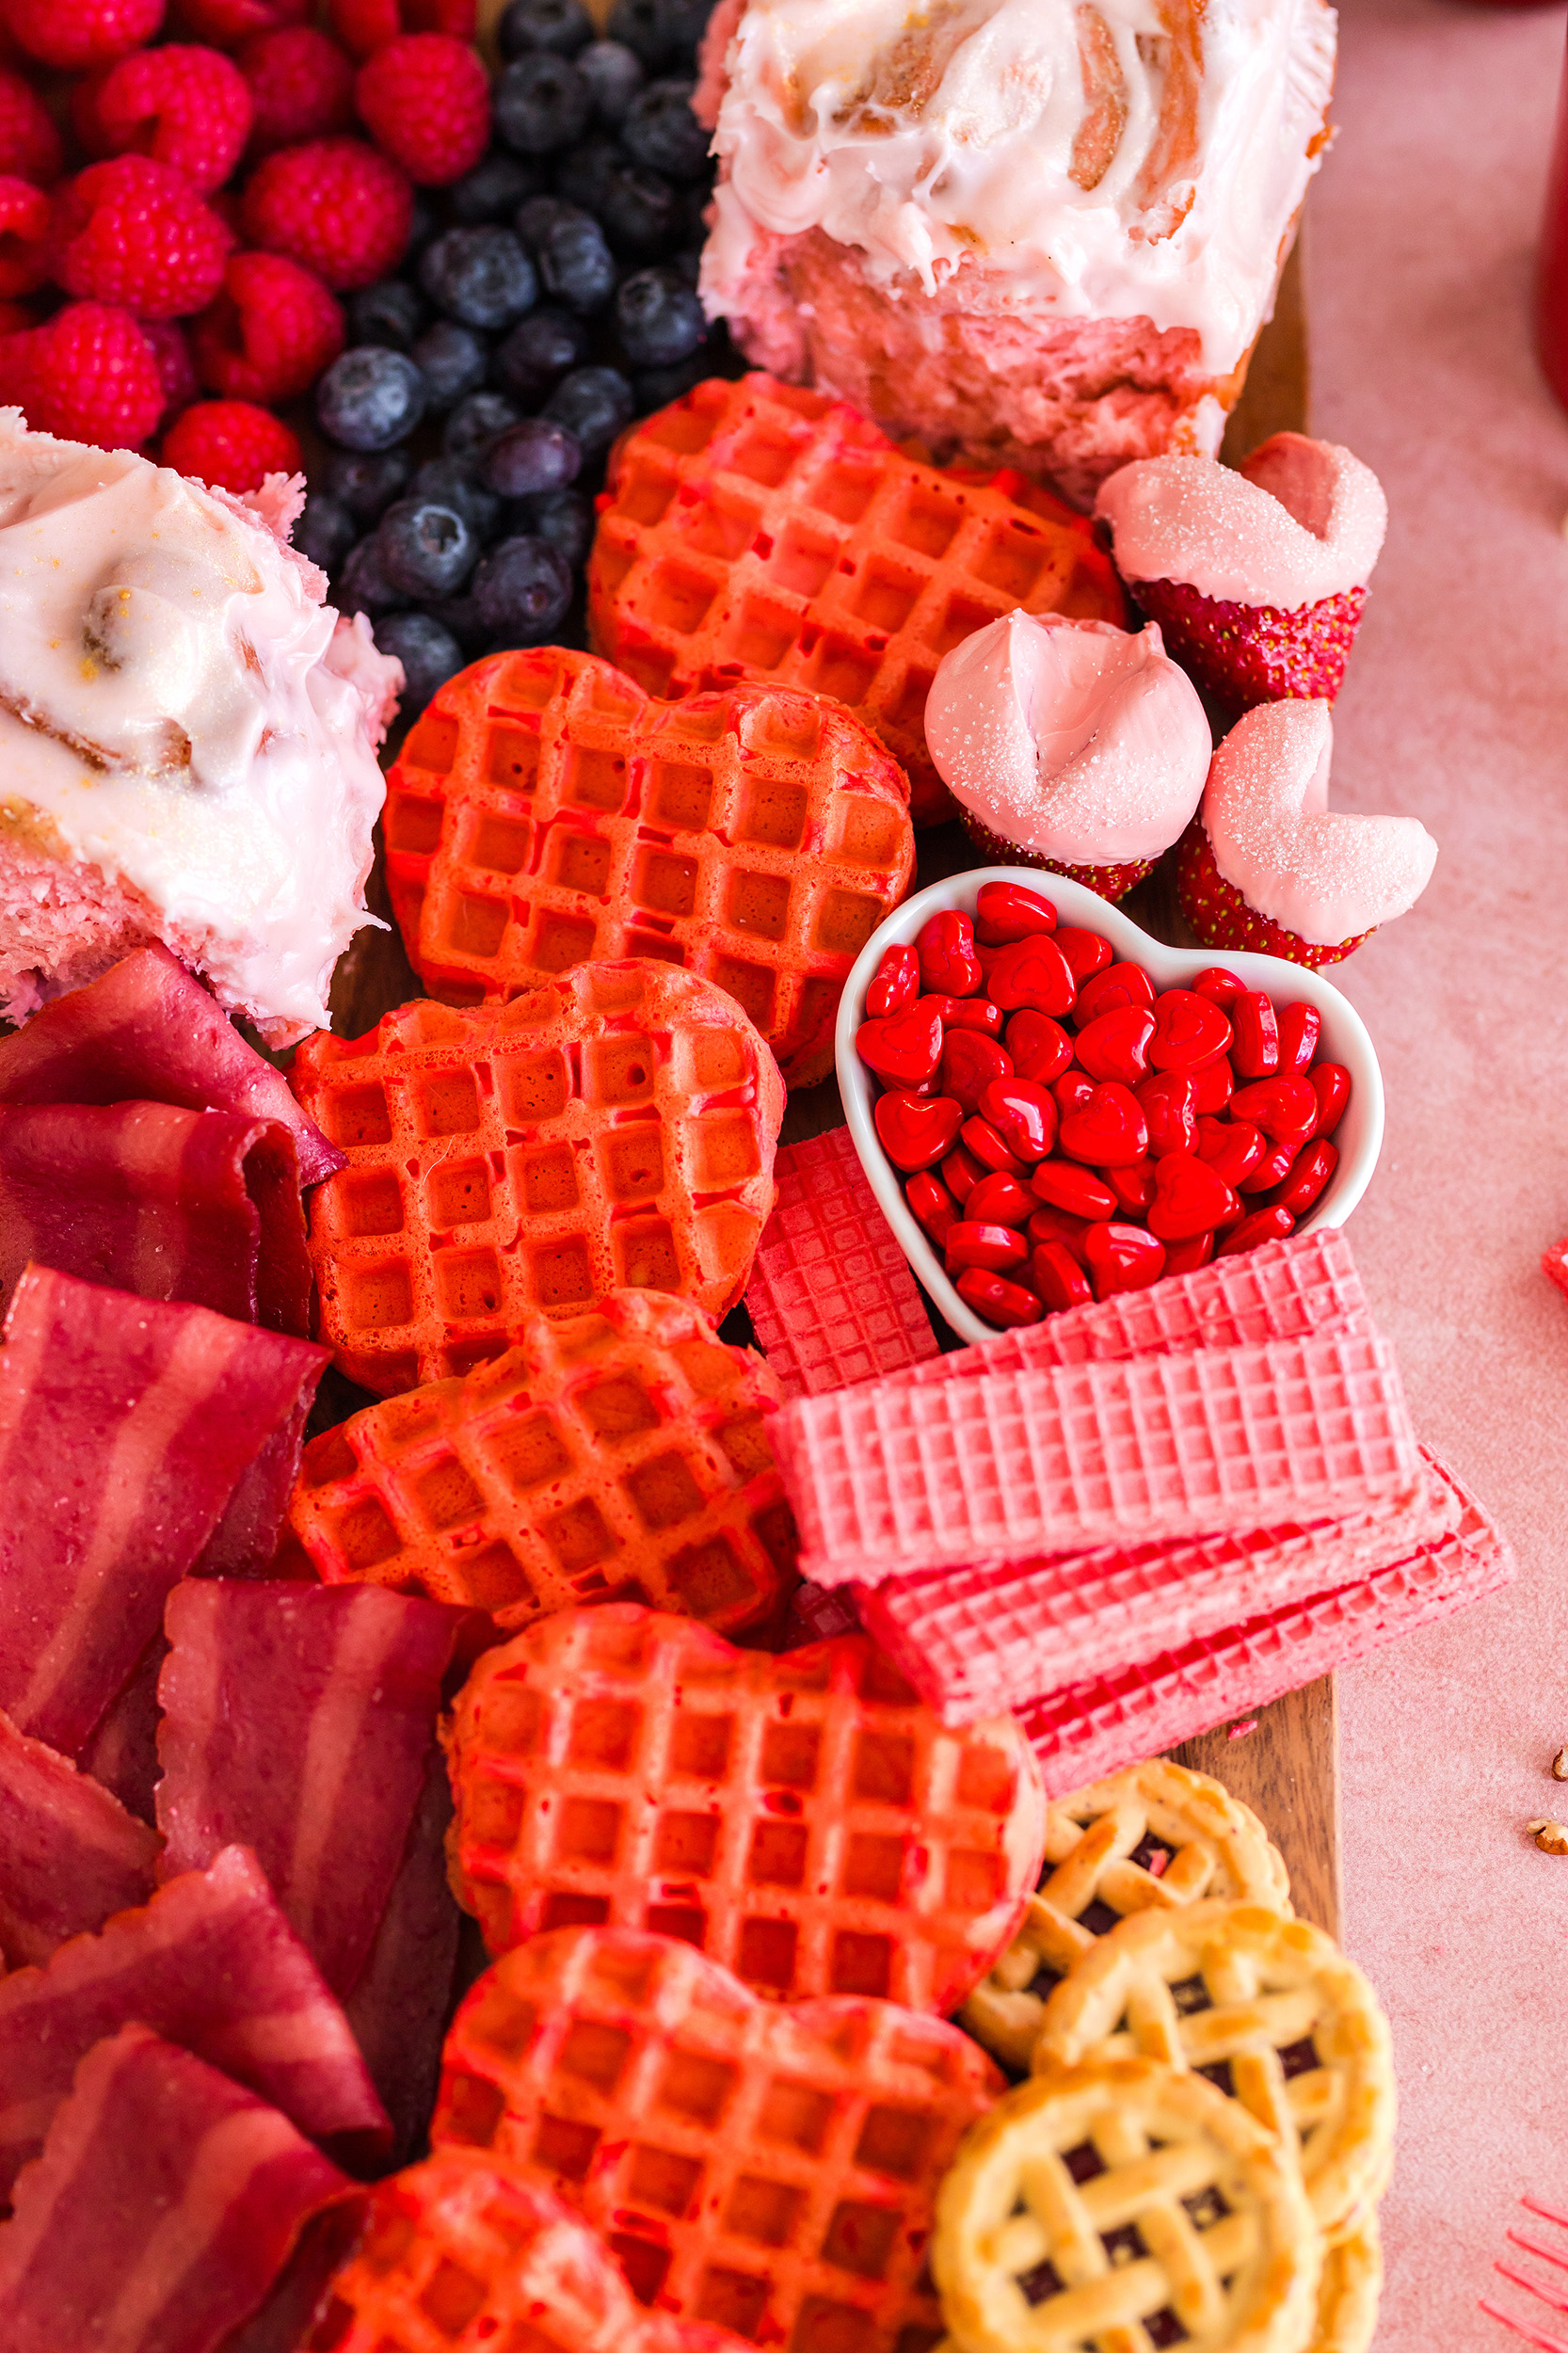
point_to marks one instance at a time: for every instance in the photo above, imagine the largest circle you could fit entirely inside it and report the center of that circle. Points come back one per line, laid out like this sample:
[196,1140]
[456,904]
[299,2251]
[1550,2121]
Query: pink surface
[1455,710]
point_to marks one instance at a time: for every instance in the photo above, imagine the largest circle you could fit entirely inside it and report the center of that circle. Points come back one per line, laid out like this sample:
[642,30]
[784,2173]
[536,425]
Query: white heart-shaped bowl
[1358,1137]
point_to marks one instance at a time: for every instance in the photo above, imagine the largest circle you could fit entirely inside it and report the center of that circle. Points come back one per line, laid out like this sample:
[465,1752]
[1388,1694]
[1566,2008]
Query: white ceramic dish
[1358,1136]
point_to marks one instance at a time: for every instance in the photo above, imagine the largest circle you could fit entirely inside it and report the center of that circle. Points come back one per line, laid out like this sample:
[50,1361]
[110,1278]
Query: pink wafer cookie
[1089,1729]
[888,1479]
[832,1300]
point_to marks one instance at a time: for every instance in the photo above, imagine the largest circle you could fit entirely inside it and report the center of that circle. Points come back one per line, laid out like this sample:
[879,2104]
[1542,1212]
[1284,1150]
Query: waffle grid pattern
[545,812]
[888,1479]
[757,527]
[612,1130]
[831,1299]
[771,2170]
[801,1820]
[623,1454]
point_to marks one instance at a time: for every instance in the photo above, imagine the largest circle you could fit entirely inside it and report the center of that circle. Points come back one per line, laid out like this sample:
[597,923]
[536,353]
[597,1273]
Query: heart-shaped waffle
[613,1129]
[1266,2006]
[770,2170]
[760,529]
[1119,2207]
[621,1452]
[1140,1840]
[805,1818]
[462,2255]
[545,810]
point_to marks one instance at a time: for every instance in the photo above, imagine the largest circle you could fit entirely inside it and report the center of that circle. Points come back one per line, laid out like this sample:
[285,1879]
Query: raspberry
[87,374]
[29,143]
[227,23]
[176,368]
[76,34]
[271,331]
[363,27]
[184,105]
[336,206]
[301,87]
[24,213]
[425,101]
[134,232]
[230,445]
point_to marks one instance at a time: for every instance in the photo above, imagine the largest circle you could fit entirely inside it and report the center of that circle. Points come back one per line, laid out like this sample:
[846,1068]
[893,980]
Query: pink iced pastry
[1040,233]
[1266,863]
[1070,744]
[1257,575]
[190,735]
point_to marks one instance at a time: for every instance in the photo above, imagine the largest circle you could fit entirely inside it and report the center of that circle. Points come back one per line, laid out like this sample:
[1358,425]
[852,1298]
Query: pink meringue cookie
[1074,740]
[1326,876]
[1298,522]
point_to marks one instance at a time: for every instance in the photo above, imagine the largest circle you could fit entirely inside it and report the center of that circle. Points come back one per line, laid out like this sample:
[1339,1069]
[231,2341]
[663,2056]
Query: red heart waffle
[613,1129]
[458,2250]
[803,1819]
[773,2170]
[762,529]
[545,810]
[621,1452]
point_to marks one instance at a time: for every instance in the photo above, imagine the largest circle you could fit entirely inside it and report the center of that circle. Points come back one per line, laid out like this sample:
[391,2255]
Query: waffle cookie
[1120,2205]
[802,1818]
[622,1452]
[772,2170]
[1267,2007]
[545,810]
[1148,1839]
[613,1129]
[757,528]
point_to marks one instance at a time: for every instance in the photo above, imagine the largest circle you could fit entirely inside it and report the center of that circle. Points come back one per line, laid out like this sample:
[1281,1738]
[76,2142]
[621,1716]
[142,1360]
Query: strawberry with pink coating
[1256,575]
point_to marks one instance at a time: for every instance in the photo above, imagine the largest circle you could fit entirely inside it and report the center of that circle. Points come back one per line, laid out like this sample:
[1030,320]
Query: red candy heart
[961,1173]
[1309,1173]
[932,1203]
[1189,1198]
[949,966]
[1000,1200]
[1033,972]
[1231,1147]
[1331,1084]
[997,1247]
[1272,1170]
[1115,1045]
[1301,1026]
[1216,983]
[969,1063]
[1169,1104]
[999,1300]
[1109,991]
[1123,1258]
[905,1048]
[1189,1029]
[967,1013]
[915,1130]
[1263,1225]
[1005,912]
[1133,1187]
[1086,951]
[1185,1258]
[1062,1186]
[1073,1088]
[1107,1131]
[1040,1047]
[1050,1225]
[896,982]
[1023,1114]
[1284,1109]
[991,1149]
[1058,1278]
[1212,1085]
[1255,1051]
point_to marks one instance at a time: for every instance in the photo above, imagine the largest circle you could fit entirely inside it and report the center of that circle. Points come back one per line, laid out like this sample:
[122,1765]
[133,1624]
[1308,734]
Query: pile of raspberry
[174,259]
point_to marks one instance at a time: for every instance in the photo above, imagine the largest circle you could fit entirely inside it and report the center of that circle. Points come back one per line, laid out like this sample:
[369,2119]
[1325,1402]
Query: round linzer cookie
[758,529]
[804,1819]
[613,1129]
[1148,1839]
[1122,2203]
[545,810]
[621,1451]
[1266,2006]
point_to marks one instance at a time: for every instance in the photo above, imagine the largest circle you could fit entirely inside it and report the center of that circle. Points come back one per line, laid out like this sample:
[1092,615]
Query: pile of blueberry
[546,300]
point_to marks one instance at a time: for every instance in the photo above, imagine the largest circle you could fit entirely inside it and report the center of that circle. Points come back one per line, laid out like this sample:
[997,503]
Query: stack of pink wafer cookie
[1138,1519]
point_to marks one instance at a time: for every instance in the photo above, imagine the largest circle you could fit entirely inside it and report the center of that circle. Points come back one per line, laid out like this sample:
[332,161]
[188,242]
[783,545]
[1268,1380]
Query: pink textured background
[1456,709]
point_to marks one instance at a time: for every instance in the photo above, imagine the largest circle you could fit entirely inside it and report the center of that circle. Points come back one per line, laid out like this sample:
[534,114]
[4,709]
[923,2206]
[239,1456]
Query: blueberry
[561,25]
[657,387]
[449,481]
[613,76]
[423,226]
[660,130]
[491,190]
[454,361]
[427,549]
[640,212]
[647,27]
[575,264]
[364,483]
[566,519]
[370,398]
[595,404]
[478,420]
[521,590]
[538,353]
[693,224]
[429,654]
[542,104]
[326,531]
[480,277]
[362,585]
[582,171]
[658,319]
[461,616]
[389,314]
[530,459]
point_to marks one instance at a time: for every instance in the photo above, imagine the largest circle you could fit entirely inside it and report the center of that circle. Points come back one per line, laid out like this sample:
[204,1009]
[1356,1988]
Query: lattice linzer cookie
[613,1129]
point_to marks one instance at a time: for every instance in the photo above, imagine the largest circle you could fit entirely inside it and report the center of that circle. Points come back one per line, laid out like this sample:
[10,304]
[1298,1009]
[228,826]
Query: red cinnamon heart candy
[1086,951]
[1255,1051]
[1189,1029]
[1006,911]
[1033,972]
[997,1247]
[1058,1278]
[1078,1190]
[1263,1225]
[905,1048]
[1185,1258]
[932,1203]
[969,1062]
[1169,1102]
[1133,1186]
[967,1013]
[998,1300]
[961,1173]
[1000,1200]
[1308,1174]
[991,1149]
[896,982]
[1223,986]
[1119,985]
[1189,1199]
[1272,1170]
[1040,1047]
[1023,1113]
[1107,1131]
[1330,1083]
[1299,1029]
[1212,1085]
[1052,1226]
[949,966]
[1232,1148]
[1073,1088]
[916,1131]
[1115,1045]
[1284,1109]
[1123,1258]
